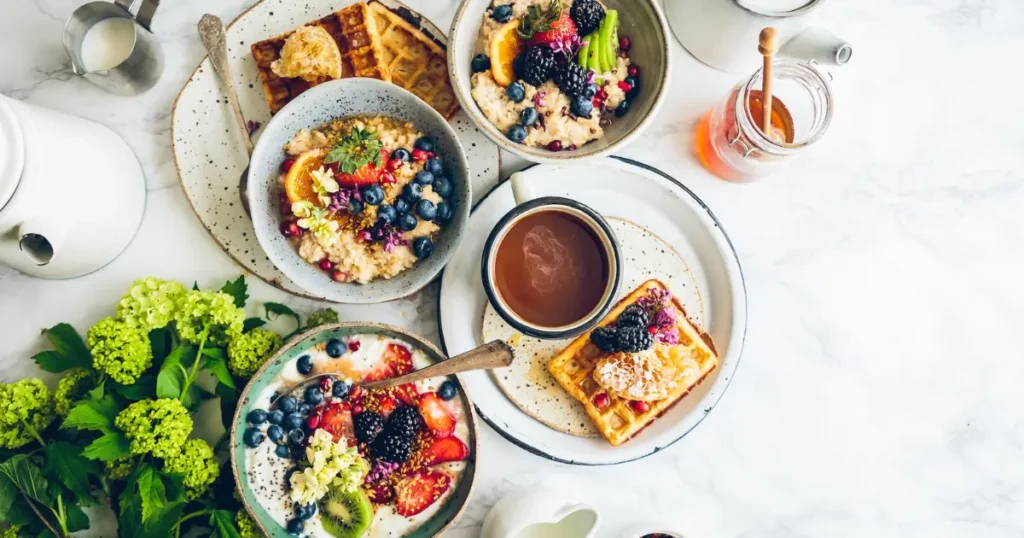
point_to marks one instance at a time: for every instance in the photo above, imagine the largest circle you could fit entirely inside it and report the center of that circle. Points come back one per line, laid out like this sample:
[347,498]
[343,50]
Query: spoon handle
[211,32]
[495,354]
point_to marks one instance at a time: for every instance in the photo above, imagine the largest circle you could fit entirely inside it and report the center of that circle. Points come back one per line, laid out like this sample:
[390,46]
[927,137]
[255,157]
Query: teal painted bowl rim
[455,505]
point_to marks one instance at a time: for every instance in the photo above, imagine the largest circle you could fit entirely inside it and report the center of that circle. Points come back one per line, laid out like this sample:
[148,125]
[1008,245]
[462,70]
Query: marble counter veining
[880,392]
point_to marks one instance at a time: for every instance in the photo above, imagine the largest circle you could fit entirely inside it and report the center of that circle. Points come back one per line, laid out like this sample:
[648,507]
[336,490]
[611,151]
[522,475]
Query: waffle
[353,29]
[573,368]
[416,62]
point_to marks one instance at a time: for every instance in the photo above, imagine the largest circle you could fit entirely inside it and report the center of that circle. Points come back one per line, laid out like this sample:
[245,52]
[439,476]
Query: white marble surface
[880,394]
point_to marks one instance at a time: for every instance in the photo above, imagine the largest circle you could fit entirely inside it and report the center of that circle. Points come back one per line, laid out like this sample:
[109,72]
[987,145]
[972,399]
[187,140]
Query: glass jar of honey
[730,140]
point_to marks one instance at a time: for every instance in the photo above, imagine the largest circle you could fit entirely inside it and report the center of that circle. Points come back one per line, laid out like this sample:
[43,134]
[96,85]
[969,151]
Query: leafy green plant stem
[194,371]
[62,516]
[42,518]
[33,432]
[177,524]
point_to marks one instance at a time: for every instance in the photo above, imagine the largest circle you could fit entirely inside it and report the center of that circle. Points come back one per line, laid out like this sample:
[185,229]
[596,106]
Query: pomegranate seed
[420,156]
[625,86]
[597,102]
[353,345]
[601,94]
[313,422]
[625,43]
[326,384]
[290,229]
[634,70]
[395,164]
[339,276]
[652,329]
[357,409]
[326,264]
[355,394]
[601,400]
[638,406]
[286,165]
[387,178]
[570,147]
[555,145]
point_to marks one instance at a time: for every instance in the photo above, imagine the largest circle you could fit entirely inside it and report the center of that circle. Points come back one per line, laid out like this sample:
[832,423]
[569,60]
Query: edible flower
[663,315]
[330,464]
[324,185]
[319,222]
[392,238]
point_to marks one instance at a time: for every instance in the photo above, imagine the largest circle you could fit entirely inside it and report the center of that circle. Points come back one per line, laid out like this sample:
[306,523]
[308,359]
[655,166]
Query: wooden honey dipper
[767,46]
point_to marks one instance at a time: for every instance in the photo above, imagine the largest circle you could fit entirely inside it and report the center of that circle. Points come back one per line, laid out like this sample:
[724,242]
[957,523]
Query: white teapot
[72,193]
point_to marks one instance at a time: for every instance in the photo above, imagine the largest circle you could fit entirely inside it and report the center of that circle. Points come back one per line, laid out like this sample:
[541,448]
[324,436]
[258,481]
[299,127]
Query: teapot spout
[40,241]
[819,45]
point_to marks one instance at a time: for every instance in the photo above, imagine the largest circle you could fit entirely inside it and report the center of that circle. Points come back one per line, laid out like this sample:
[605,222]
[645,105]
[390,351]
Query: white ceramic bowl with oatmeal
[571,123]
[343,200]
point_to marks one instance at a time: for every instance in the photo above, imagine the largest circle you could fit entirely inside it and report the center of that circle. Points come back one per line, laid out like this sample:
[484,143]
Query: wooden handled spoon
[767,46]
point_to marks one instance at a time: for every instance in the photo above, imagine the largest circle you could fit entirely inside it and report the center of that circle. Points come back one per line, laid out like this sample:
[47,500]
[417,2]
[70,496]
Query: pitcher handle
[819,45]
[144,14]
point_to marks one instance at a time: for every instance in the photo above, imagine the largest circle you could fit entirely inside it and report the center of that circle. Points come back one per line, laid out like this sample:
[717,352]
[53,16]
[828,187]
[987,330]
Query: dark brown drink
[551,268]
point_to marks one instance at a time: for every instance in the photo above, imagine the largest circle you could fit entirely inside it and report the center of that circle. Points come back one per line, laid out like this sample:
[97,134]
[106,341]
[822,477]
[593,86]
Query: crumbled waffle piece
[639,376]
[309,53]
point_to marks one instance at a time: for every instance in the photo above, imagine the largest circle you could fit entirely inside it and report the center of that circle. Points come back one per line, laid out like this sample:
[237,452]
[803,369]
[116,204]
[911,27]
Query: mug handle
[144,15]
[522,191]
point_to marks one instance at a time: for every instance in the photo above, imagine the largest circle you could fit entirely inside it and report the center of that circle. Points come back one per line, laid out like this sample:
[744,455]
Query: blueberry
[288,404]
[298,452]
[275,433]
[304,364]
[373,194]
[422,247]
[426,209]
[434,166]
[528,116]
[305,511]
[423,177]
[443,186]
[335,348]
[622,108]
[340,390]
[257,416]
[481,62]
[517,134]
[296,436]
[282,451]
[516,92]
[355,206]
[407,222]
[401,153]
[502,13]
[590,90]
[293,421]
[400,205]
[252,437]
[295,526]
[275,417]
[424,144]
[447,390]
[635,86]
[312,395]
[386,214]
[581,107]
[304,409]
[444,213]
[412,192]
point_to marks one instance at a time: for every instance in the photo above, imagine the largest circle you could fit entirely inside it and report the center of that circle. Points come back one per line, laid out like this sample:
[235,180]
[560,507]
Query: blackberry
[393,446]
[587,14]
[535,65]
[405,420]
[606,339]
[368,424]
[570,78]
[633,316]
[634,339]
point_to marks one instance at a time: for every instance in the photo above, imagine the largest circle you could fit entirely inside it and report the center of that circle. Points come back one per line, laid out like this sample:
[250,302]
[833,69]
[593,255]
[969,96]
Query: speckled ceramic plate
[208,152]
[654,201]
[434,526]
[527,382]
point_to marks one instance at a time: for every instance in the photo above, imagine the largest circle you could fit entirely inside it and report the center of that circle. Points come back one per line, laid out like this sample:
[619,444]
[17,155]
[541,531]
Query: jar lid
[12,151]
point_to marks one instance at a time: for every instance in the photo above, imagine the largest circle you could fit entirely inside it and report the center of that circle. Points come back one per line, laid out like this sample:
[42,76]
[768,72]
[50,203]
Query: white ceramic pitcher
[541,513]
[72,192]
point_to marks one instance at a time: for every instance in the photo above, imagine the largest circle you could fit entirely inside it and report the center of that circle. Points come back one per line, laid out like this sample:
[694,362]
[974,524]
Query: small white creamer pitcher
[541,513]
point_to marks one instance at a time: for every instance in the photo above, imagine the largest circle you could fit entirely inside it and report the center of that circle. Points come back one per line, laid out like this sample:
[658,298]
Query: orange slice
[298,184]
[505,46]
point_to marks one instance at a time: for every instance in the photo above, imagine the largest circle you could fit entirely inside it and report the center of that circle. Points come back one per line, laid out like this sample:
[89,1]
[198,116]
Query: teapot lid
[12,151]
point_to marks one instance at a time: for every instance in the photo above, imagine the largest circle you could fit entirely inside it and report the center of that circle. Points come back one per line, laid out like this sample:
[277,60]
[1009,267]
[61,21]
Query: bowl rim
[541,155]
[357,325]
[311,96]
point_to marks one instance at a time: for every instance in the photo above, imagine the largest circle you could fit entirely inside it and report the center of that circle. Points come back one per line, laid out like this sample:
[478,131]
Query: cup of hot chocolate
[551,267]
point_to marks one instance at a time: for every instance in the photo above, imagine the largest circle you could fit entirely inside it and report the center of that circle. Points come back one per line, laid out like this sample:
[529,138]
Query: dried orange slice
[298,183]
[504,47]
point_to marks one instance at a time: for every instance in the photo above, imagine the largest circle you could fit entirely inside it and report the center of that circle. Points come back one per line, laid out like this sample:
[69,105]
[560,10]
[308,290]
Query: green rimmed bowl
[289,352]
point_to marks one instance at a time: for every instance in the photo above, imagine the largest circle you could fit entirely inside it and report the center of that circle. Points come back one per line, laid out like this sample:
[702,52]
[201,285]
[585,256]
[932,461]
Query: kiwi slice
[581,58]
[609,40]
[344,514]
[588,54]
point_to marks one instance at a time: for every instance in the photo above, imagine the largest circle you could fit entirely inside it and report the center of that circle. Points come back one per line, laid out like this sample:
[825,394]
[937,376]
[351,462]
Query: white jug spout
[40,239]
[819,45]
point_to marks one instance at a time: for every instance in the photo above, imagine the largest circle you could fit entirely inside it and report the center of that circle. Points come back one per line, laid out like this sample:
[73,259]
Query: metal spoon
[211,32]
[495,354]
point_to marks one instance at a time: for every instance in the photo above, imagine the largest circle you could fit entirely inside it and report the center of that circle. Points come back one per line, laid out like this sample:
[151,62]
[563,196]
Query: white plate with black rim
[641,195]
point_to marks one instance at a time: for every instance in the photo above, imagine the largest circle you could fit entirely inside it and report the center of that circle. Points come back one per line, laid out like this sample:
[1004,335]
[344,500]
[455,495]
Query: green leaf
[196,395]
[108,448]
[161,340]
[151,491]
[195,285]
[218,366]
[228,403]
[8,494]
[69,348]
[277,309]
[252,323]
[65,462]
[95,415]
[51,361]
[96,393]
[223,522]
[237,290]
[27,477]
[171,378]
[144,387]
[76,518]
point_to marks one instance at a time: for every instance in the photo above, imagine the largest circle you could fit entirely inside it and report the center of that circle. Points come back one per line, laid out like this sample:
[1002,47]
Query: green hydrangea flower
[119,349]
[11,531]
[157,426]
[247,352]
[26,408]
[197,464]
[210,311]
[247,528]
[321,317]
[72,388]
[120,468]
[150,303]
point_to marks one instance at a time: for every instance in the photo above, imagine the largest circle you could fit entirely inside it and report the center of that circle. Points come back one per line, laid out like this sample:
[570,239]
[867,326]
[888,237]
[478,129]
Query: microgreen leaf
[108,448]
[69,350]
[237,289]
[352,152]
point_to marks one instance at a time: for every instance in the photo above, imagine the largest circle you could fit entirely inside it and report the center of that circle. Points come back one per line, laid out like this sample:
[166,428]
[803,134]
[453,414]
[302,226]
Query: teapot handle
[817,44]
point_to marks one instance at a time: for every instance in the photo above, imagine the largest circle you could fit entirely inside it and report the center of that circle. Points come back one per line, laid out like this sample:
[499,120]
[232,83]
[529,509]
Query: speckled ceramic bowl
[340,99]
[641,20]
[437,524]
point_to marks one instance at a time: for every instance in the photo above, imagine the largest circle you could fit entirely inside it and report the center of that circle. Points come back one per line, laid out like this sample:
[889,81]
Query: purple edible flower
[667,336]
[568,46]
[380,471]
[393,238]
[251,126]
[365,235]
[591,75]
[538,98]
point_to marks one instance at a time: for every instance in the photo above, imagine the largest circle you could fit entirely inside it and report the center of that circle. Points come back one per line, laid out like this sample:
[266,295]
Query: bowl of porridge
[560,80]
[359,191]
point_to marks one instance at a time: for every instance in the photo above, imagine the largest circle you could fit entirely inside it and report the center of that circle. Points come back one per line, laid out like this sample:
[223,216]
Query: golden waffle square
[353,29]
[416,62]
[573,368]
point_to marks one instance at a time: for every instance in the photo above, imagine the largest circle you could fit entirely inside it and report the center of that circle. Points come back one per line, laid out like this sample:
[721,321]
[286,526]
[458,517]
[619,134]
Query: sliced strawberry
[380,493]
[387,405]
[414,493]
[381,370]
[399,357]
[445,449]
[364,175]
[435,415]
[561,30]
[407,393]
[337,420]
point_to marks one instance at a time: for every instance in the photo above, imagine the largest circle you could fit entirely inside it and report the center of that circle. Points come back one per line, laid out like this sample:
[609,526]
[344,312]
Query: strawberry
[337,420]
[435,415]
[562,29]
[399,357]
[381,370]
[414,493]
[445,449]
[387,405]
[407,393]
[548,25]
[380,493]
[364,175]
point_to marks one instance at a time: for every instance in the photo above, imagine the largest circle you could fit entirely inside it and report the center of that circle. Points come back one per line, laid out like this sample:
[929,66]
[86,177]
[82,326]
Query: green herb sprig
[356,150]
